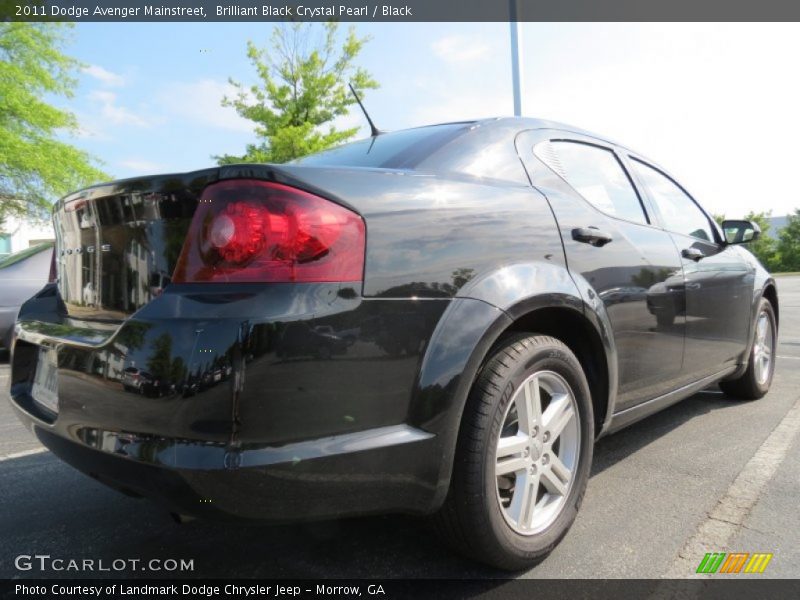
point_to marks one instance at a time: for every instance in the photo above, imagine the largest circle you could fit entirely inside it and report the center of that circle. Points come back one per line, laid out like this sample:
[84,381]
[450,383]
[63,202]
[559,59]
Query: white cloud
[460,48]
[110,112]
[710,103]
[201,101]
[104,75]
[141,166]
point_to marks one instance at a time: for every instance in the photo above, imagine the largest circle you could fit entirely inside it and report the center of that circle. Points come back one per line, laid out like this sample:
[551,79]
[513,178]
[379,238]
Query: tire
[477,518]
[754,383]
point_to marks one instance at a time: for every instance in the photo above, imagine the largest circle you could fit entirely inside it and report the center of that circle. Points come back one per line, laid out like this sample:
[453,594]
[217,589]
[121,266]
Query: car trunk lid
[117,244]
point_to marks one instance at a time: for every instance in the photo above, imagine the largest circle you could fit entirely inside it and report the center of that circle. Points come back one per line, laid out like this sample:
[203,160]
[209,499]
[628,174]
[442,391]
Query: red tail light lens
[255,231]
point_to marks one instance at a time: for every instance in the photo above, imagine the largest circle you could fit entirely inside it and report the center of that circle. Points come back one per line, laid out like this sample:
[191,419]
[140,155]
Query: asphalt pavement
[656,500]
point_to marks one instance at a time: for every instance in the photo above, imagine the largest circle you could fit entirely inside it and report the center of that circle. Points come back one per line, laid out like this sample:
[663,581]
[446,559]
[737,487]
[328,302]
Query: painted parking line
[23,454]
[726,518]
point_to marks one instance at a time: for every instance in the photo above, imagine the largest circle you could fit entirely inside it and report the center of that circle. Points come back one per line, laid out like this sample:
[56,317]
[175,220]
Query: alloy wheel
[537,452]
[763,348]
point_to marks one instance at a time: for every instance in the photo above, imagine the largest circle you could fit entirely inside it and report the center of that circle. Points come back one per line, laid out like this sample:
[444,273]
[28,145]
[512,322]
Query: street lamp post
[516,56]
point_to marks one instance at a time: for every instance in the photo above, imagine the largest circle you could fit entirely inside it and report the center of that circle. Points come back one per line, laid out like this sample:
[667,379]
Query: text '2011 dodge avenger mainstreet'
[437,321]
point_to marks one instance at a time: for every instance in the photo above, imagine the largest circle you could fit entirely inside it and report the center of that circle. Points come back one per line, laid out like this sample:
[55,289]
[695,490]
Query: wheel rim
[763,348]
[537,452]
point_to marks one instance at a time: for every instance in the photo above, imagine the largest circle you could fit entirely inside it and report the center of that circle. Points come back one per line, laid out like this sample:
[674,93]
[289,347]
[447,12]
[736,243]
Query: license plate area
[45,381]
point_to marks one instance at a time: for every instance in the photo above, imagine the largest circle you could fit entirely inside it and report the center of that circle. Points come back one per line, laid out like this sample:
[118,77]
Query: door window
[597,175]
[679,211]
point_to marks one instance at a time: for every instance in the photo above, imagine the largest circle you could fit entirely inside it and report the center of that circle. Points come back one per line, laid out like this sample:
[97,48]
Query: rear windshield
[399,150]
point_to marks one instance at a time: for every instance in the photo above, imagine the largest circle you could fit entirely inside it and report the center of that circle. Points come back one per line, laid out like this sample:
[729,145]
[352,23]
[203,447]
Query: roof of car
[524,123]
[520,124]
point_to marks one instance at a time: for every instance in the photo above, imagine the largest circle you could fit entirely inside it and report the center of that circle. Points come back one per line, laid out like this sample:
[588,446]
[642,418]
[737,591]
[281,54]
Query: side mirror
[740,232]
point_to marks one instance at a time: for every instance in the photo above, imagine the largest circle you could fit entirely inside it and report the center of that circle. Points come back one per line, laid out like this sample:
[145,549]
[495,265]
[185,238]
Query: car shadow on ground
[610,450]
[50,508]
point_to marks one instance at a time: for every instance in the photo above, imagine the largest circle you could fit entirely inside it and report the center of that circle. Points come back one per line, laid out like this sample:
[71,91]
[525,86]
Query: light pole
[516,57]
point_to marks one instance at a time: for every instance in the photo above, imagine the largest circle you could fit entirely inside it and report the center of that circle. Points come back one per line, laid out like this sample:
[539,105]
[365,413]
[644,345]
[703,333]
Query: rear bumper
[247,419]
[353,474]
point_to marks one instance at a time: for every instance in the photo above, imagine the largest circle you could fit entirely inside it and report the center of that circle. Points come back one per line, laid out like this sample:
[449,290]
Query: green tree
[764,247]
[177,370]
[35,166]
[302,89]
[788,246]
[159,363]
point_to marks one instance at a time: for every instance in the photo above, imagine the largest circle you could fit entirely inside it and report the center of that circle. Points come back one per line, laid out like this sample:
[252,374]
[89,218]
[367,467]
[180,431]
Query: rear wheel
[523,455]
[755,381]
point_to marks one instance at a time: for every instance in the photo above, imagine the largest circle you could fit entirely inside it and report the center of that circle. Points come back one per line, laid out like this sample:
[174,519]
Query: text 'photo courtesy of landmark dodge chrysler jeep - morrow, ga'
[436,321]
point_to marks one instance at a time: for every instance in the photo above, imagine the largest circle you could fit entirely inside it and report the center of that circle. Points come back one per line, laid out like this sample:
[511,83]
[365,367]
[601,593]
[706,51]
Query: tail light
[256,231]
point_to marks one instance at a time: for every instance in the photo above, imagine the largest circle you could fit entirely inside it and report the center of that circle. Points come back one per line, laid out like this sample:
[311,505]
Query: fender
[470,326]
[522,288]
[763,281]
[595,311]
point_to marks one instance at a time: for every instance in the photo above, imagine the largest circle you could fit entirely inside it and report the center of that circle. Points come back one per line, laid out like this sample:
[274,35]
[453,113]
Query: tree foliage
[301,90]
[788,246]
[35,166]
[766,248]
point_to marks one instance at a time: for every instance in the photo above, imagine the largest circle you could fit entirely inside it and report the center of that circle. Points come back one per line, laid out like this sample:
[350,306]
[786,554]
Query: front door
[719,280]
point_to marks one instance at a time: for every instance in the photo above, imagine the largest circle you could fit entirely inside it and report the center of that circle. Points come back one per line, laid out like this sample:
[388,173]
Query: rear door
[626,261]
[718,280]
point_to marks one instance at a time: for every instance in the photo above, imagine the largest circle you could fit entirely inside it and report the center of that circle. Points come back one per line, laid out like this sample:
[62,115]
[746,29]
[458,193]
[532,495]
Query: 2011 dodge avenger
[440,320]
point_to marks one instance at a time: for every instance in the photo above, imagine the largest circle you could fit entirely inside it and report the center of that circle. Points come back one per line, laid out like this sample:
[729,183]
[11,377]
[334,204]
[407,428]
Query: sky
[715,104]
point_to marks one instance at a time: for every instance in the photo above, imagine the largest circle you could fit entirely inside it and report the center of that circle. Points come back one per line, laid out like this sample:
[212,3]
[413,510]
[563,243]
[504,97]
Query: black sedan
[440,321]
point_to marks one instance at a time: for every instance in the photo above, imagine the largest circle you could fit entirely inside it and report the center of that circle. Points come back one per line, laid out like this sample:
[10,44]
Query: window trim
[648,222]
[646,190]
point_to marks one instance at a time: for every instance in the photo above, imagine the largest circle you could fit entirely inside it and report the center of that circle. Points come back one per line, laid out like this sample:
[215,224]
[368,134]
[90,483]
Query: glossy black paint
[276,401]
[621,274]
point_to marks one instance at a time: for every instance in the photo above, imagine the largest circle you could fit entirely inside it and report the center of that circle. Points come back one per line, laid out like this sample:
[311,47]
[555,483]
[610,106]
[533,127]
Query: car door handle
[591,235]
[692,254]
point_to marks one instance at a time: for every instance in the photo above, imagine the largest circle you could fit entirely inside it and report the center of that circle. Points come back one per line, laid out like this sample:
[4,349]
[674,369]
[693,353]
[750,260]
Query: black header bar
[399,11]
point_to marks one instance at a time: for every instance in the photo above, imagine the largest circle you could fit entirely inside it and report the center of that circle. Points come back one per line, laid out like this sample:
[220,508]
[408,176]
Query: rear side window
[597,175]
[680,213]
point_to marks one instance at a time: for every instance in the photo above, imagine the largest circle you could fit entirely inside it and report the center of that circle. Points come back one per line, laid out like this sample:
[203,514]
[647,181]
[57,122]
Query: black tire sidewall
[554,357]
[764,307]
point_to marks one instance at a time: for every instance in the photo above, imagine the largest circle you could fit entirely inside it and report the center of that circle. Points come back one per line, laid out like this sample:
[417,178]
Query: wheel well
[577,333]
[772,295]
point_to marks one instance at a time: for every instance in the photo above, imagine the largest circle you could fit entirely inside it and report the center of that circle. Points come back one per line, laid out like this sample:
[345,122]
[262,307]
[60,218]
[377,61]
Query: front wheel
[523,455]
[755,381]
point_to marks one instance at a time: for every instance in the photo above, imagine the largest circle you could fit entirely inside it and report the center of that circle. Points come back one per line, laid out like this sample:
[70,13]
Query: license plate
[45,381]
